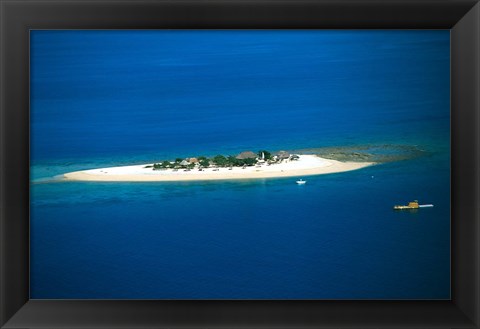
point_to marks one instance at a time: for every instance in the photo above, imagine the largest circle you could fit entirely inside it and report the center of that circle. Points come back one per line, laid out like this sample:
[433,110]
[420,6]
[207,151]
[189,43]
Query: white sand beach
[306,165]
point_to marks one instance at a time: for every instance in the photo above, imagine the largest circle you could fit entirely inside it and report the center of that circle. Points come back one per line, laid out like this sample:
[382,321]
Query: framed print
[271,164]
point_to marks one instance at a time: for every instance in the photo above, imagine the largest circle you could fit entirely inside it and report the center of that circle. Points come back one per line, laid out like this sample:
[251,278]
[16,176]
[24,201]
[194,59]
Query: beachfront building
[246,155]
[282,155]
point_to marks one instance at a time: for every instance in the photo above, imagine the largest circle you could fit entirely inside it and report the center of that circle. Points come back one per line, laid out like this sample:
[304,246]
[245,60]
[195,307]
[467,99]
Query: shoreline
[306,165]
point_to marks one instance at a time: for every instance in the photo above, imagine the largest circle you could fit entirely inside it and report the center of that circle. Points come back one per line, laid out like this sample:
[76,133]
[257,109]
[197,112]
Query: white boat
[301,182]
[425,205]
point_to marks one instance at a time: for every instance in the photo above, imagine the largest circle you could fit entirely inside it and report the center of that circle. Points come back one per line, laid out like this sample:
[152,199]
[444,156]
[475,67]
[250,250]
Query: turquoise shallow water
[111,98]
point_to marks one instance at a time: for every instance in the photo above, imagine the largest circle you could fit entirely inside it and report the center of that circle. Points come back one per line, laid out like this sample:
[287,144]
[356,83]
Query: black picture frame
[17,17]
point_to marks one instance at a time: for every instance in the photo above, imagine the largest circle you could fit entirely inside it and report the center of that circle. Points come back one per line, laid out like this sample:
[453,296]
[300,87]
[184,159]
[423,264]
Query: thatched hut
[246,155]
[282,155]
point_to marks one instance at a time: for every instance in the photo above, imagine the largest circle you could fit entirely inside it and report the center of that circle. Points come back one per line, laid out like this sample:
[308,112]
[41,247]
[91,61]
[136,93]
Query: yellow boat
[411,205]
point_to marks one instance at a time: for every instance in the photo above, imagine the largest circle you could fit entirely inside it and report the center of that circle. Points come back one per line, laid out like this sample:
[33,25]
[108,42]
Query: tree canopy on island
[220,161]
[266,155]
[246,158]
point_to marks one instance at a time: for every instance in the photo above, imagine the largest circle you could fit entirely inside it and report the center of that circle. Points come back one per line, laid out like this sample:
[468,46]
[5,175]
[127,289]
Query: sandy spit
[307,165]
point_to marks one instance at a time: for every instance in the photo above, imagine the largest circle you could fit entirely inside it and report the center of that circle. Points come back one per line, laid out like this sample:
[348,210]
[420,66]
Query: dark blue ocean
[109,98]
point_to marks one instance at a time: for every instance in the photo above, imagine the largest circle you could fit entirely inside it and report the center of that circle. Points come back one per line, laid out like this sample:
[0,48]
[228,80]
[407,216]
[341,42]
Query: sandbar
[306,165]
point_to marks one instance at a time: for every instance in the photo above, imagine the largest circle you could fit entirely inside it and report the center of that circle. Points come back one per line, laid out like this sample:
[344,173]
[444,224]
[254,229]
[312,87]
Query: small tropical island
[246,165]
